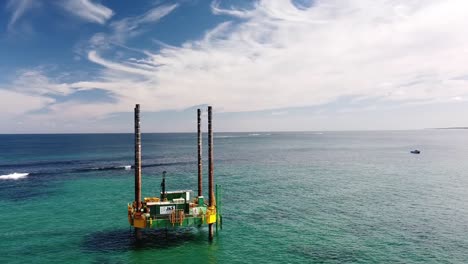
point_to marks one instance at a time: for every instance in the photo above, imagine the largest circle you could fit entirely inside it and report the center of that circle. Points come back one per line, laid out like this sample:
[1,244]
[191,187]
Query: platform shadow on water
[125,240]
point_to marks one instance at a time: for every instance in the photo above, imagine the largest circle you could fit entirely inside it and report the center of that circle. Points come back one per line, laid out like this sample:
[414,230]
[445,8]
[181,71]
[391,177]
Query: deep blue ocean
[309,197]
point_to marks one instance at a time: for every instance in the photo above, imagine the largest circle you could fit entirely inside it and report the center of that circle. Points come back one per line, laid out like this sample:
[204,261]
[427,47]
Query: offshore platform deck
[173,209]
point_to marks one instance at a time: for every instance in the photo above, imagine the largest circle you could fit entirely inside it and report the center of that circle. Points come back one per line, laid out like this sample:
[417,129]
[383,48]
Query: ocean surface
[328,197]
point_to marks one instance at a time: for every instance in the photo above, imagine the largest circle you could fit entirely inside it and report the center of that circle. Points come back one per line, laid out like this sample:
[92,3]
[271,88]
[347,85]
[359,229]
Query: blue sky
[80,65]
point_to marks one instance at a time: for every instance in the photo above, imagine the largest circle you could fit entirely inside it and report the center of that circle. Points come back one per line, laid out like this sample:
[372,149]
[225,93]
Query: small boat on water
[415,151]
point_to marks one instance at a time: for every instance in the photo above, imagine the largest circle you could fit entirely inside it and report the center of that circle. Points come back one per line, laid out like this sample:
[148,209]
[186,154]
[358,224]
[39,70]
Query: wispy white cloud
[121,31]
[18,8]
[88,10]
[129,27]
[217,10]
[155,14]
[133,68]
[17,103]
[29,92]
[35,82]
[283,56]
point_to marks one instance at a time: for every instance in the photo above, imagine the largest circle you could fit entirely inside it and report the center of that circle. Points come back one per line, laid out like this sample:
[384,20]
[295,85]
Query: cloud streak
[18,8]
[88,10]
[130,27]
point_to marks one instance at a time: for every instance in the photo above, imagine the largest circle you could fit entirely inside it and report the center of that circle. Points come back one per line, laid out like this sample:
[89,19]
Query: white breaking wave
[14,176]
[127,167]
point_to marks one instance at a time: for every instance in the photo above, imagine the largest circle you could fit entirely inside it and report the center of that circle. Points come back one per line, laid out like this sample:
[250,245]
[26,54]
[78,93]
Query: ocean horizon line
[224,132]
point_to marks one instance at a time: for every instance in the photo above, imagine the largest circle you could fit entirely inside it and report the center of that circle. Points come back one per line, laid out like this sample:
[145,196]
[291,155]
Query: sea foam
[14,176]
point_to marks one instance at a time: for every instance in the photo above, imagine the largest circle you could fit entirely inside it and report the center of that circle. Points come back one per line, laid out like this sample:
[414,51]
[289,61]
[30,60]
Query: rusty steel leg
[200,165]
[211,167]
[137,165]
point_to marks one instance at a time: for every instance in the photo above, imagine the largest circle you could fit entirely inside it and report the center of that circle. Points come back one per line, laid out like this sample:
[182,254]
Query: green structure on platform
[176,210]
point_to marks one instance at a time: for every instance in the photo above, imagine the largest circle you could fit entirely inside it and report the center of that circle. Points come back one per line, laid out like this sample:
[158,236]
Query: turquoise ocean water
[331,197]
